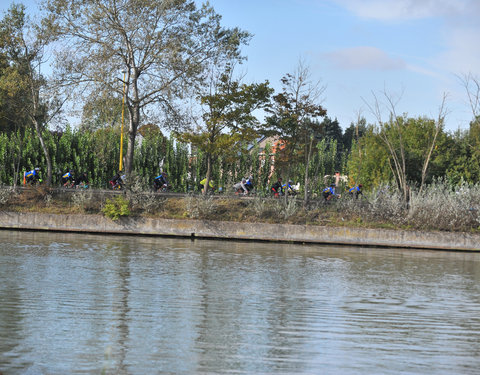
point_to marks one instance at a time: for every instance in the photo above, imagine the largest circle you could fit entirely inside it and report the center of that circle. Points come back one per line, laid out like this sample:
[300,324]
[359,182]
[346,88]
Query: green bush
[116,207]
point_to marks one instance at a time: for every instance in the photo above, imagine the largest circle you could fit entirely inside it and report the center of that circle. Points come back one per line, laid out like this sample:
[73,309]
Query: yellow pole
[120,164]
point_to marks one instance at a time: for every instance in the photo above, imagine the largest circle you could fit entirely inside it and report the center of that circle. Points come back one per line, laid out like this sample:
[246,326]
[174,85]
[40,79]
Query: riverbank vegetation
[440,206]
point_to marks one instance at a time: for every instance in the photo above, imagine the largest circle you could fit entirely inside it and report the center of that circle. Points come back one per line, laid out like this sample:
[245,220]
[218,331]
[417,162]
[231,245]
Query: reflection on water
[131,305]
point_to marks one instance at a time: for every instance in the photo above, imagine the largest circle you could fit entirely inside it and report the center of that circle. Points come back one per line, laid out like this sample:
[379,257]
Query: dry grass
[439,207]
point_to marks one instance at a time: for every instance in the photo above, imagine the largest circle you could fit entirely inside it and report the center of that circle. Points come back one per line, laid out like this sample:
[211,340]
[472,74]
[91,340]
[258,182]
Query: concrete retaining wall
[242,231]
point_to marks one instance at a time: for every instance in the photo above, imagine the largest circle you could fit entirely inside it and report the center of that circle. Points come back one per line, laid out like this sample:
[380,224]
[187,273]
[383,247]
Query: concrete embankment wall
[241,231]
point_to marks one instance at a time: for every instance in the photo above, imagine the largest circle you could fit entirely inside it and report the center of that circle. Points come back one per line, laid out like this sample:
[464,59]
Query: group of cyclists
[68,179]
[161,184]
[279,188]
[329,192]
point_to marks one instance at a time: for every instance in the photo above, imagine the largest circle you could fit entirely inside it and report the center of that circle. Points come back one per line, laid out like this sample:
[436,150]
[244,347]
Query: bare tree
[442,112]
[397,154]
[471,85]
[392,134]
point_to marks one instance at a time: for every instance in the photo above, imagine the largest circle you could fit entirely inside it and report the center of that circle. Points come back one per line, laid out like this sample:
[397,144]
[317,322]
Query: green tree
[293,113]
[353,133]
[372,162]
[22,44]
[394,134]
[101,112]
[368,163]
[162,46]
[228,118]
[461,155]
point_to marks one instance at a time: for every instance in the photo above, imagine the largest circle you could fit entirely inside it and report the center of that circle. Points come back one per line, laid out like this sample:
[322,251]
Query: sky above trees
[413,49]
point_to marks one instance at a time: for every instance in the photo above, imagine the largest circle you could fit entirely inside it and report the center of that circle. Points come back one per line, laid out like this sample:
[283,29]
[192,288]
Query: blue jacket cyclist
[67,178]
[329,192]
[32,176]
[160,182]
[355,191]
[288,188]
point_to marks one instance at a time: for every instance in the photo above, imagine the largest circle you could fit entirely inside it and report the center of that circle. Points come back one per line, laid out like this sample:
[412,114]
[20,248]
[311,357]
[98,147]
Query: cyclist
[81,181]
[355,191]
[329,192]
[68,179]
[160,182]
[211,185]
[32,177]
[241,187]
[117,181]
[289,188]
[249,183]
[277,188]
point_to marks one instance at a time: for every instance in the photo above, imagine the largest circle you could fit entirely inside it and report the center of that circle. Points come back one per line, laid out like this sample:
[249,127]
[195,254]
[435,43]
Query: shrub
[200,207]
[116,207]
[442,206]
[286,210]
[5,194]
[82,198]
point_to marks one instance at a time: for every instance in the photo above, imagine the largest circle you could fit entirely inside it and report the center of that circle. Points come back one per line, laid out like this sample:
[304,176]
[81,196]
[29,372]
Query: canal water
[81,304]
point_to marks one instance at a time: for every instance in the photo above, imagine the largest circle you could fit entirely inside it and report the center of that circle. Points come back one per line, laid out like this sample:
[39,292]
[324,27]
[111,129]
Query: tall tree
[162,46]
[101,112]
[293,113]
[22,44]
[471,84]
[353,133]
[228,119]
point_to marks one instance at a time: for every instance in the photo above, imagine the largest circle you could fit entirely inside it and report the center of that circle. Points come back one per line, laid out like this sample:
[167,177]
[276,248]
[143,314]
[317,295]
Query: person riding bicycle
[277,188]
[68,179]
[249,184]
[242,187]
[356,191]
[160,182]
[32,177]
[289,188]
[81,181]
[211,185]
[117,181]
[329,192]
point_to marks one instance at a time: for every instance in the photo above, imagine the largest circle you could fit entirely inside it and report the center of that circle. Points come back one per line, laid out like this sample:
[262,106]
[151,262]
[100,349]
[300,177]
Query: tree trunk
[207,180]
[38,130]
[309,156]
[134,115]
[16,164]
[133,106]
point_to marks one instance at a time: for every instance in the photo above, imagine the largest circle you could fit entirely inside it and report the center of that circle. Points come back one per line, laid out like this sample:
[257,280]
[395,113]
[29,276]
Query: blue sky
[412,49]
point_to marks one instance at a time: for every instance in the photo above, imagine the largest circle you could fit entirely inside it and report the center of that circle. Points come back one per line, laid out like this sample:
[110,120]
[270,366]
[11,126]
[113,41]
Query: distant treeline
[359,152]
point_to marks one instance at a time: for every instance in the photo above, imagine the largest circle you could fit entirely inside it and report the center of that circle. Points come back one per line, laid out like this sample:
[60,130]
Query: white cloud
[364,58]
[391,10]
[463,51]
[458,31]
